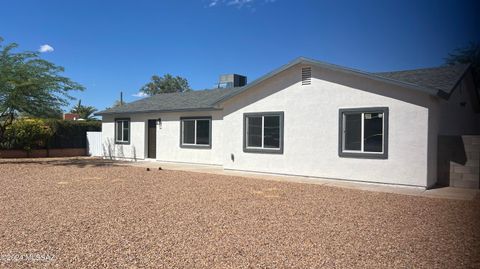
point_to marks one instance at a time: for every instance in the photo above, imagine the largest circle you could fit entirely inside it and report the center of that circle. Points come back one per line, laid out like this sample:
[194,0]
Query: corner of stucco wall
[432,145]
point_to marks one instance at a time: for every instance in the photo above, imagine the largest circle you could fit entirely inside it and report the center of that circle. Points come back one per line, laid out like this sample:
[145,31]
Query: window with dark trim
[363,132]
[122,131]
[196,132]
[263,132]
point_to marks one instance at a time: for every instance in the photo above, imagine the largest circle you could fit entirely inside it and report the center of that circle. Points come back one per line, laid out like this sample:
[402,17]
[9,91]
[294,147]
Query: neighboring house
[71,116]
[306,118]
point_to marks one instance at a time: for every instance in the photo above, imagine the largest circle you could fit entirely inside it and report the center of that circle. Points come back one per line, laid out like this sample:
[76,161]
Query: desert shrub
[27,134]
[31,134]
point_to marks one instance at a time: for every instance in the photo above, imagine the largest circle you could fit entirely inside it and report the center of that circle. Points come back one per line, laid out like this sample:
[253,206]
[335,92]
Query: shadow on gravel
[77,162]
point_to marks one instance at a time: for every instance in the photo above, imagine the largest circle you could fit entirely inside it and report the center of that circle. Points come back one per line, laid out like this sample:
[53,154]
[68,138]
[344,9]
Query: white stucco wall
[134,150]
[311,128]
[168,138]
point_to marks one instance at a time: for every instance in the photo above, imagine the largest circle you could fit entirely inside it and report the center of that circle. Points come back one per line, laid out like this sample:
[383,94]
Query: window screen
[254,135]
[189,132]
[353,129]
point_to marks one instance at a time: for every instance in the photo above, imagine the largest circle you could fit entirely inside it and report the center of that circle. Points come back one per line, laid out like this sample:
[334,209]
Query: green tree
[85,112]
[165,84]
[467,55]
[30,85]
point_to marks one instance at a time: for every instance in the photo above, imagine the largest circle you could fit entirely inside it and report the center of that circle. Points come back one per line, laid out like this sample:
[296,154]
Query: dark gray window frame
[191,146]
[263,150]
[366,155]
[129,131]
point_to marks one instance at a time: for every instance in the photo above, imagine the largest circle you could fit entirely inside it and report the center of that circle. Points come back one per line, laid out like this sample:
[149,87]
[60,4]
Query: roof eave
[446,95]
[101,113]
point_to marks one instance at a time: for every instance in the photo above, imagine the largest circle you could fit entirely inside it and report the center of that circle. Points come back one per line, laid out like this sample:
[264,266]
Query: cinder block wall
[459,161]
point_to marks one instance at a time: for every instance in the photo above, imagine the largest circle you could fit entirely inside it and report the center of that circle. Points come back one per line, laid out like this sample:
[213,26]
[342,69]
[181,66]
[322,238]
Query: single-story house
[306,118]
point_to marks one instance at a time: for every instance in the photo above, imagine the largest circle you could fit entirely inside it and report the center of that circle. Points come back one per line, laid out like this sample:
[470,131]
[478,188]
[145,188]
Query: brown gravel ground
[86,213]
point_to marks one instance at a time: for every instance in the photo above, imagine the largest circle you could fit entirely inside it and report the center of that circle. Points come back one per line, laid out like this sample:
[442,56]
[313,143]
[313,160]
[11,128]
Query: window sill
[263,150]
[122,143]
[363,155]
[195,146]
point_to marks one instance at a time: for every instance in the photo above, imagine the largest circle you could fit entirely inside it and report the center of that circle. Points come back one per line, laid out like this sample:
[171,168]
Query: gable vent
[306,75]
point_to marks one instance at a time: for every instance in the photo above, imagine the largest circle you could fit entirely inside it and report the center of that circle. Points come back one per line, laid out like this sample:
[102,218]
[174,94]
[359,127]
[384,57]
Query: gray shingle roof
[447,77]
[442,78]
[439,81]
[193,100]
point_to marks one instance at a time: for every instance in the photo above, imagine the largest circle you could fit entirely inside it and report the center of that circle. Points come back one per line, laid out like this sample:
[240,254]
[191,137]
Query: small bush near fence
[29,134]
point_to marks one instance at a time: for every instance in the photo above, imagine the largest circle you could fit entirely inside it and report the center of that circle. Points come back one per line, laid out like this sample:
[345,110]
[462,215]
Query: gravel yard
[91,213]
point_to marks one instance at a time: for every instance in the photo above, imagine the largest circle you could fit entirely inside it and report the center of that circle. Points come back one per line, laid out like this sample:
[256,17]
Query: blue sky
[113,46]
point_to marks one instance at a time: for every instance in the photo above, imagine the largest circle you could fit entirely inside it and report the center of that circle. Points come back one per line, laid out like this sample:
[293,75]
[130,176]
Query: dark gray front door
[152,139]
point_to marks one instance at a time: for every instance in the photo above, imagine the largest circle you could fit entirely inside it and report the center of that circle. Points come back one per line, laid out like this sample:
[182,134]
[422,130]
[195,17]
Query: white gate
[94,144]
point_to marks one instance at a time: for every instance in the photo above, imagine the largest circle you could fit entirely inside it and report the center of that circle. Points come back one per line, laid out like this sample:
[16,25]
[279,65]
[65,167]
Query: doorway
[152,139]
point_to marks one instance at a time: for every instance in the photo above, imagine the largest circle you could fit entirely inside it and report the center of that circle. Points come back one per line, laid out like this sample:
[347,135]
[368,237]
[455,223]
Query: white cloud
[140,94]
[46,48]
[238,3]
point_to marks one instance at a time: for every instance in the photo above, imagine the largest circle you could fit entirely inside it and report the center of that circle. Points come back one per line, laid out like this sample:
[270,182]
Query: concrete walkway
[444,192]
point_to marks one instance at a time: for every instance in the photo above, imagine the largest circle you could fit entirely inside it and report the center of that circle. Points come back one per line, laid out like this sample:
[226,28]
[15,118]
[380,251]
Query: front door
[152,139]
